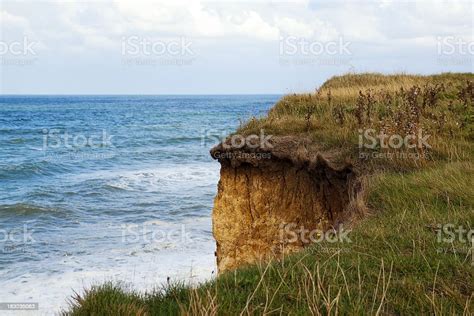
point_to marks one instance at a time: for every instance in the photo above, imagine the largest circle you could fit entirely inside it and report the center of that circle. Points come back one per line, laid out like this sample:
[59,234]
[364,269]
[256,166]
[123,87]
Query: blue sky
[223,47]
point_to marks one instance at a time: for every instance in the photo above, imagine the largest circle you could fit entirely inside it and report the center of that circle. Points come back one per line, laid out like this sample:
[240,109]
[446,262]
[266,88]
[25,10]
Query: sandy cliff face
[267,196]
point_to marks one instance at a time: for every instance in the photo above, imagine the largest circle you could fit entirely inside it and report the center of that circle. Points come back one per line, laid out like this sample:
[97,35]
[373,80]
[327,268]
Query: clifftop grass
[399,260]
[337,113]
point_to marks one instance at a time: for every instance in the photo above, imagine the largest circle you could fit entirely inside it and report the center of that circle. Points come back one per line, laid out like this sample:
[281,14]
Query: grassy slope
[318,115]
[394,264]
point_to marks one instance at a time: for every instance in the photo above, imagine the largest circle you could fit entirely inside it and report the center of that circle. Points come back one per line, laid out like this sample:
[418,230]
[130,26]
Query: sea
[118,189]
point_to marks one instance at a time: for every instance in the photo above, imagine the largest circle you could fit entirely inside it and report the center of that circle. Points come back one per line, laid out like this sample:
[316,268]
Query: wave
[19,140]
[167,178]
[184,139]
[174,177]
[24,209]
[27,169]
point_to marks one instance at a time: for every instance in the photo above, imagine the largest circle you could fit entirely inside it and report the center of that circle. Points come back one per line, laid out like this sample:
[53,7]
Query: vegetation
[441,106]
[401,259]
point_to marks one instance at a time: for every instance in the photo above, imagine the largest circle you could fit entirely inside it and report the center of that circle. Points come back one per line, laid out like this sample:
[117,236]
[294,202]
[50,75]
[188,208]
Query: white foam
[96,253]
[143,265]
[169,177]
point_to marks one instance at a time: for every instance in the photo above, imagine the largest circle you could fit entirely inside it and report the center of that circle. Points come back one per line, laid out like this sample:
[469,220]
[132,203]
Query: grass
[398,261]
[438,105]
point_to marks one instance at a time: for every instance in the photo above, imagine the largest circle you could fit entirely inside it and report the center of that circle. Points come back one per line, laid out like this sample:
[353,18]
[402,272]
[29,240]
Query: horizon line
[136,94]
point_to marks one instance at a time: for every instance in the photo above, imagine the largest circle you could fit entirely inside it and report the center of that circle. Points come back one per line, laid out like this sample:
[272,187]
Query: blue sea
[109,188]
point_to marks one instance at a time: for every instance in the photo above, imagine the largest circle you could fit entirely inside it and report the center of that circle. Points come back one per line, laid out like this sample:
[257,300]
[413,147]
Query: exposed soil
[268,194]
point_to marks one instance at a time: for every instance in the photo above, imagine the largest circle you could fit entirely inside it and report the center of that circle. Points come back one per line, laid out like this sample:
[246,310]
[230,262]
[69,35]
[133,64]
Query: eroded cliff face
[266,197]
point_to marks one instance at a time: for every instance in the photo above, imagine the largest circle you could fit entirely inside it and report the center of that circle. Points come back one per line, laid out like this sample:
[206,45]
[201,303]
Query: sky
[224,47]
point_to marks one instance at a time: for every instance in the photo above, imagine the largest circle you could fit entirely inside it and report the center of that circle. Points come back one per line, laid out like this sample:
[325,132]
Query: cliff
[400,260]
[276,200]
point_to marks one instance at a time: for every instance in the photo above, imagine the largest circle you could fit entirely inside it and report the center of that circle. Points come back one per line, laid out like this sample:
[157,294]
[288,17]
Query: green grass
[395,263]
[439,105]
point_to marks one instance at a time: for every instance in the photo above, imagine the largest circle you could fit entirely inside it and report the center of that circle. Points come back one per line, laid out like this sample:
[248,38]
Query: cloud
[235,35]
[100,23]
[13,26]
[194,19]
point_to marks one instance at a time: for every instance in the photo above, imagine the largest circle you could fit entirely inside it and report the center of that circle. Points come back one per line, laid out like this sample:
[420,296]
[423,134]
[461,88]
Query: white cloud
[13,26]
[235,32]
[194,19]
[101,23]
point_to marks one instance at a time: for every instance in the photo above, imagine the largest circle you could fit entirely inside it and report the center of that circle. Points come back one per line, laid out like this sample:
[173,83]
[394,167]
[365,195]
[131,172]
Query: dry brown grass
[199,304]
[441,106]
[394,264]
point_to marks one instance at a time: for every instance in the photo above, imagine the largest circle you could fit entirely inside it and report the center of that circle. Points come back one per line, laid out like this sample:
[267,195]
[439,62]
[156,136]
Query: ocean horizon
[236,158]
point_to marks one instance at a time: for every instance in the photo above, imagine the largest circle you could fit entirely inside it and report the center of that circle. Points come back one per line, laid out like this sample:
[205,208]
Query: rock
[266,195]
